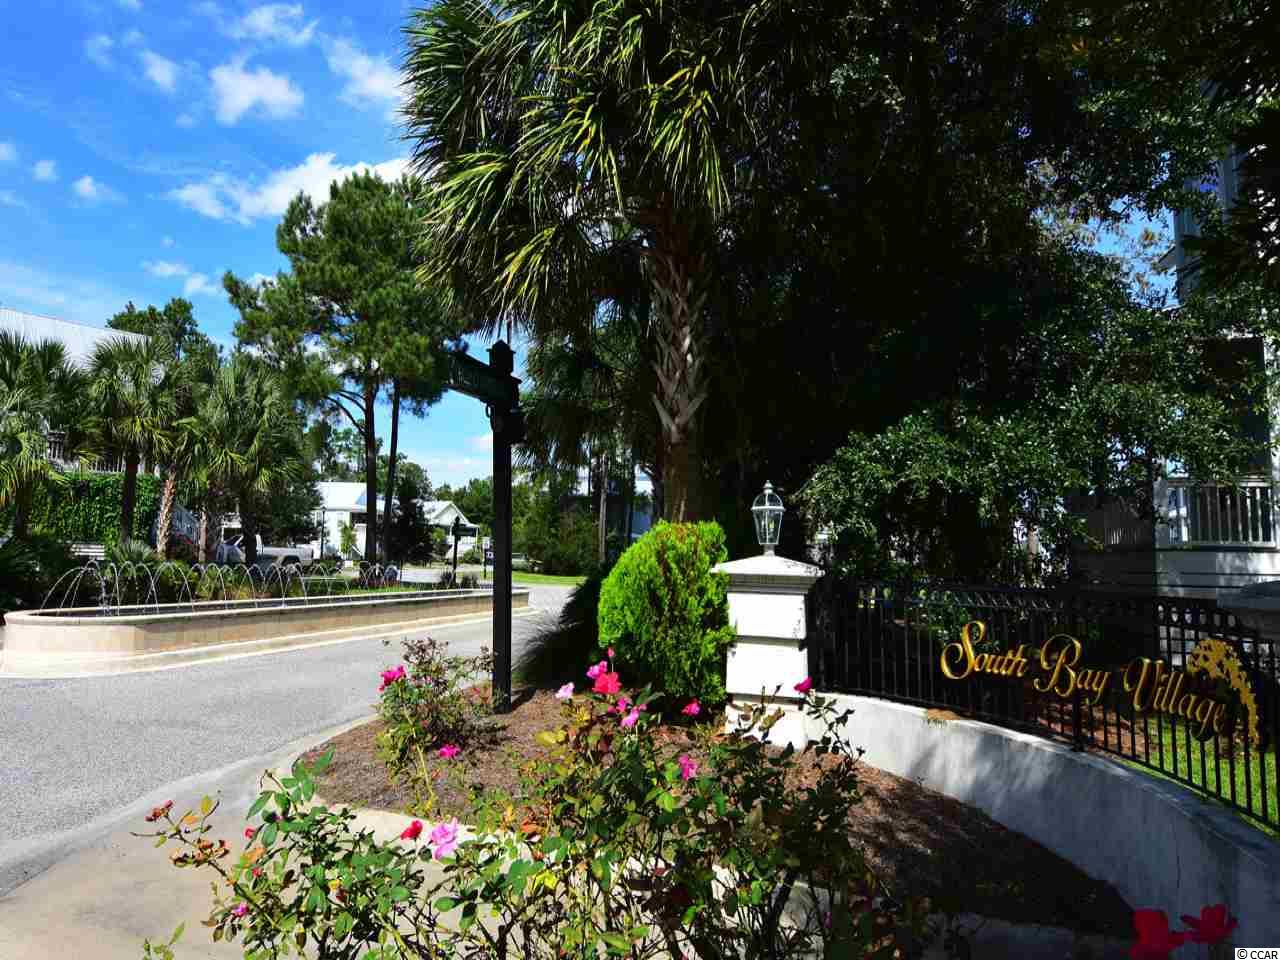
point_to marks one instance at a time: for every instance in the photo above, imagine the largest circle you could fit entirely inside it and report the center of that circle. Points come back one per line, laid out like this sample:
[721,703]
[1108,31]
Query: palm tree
[130,387]
[573,150]
[192,376]
[244,439]
[40,392]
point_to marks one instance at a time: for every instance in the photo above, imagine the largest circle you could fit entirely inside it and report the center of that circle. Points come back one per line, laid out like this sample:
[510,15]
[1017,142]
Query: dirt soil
[919,842]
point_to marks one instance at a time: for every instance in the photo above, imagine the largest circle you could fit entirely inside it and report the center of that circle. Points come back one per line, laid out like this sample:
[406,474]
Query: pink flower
[688,766]
[594,673]
[692,708]
[449,751]
[609,653]
[249,832]
[445,839]
[565,692]
[805,685]
[607,683]
[621,705]
[412,831]
[257,871]
[391,676]
[630,719]
[240,909]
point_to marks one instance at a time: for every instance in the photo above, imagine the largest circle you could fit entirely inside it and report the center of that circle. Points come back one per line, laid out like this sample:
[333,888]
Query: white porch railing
[1238,514]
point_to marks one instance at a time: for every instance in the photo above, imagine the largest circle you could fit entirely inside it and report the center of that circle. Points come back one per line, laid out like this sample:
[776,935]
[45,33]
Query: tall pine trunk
[391,468]
[206,520]
[128,496]
[164,522]
[370,478]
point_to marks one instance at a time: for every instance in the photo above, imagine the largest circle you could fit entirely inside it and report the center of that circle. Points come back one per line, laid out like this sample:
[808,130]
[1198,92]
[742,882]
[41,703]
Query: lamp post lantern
[767,512]
[457,532]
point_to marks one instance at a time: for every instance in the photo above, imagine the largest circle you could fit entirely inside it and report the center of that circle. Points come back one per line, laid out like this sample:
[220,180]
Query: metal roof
[80,339]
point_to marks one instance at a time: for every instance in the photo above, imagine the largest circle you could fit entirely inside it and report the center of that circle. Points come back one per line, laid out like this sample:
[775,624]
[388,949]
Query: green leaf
[269,833]
[258,804]
[399,894]
[206,806]
[616,942]
[445,904]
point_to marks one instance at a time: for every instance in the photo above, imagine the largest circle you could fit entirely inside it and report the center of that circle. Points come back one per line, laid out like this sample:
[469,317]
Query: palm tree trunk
[164,523]
[22,510]
[249,528]
[205,522]
[370,478]
[681,387]
[391,465]
[602,535]
[629,523]
[128,496]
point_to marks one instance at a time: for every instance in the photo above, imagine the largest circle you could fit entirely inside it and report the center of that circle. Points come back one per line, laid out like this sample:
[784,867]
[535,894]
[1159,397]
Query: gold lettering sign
[1151,684]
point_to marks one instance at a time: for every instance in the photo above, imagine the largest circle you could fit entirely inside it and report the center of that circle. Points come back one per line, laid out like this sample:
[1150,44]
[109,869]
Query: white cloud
[371,81]
[224,198]
[185,120]
[130,4]
[87,188]
[198,285]
[237,90]
[161,71]
[165,268]
[281,22]
[98,49]
[482,441]
[133,38]
[166,242]
[10,199]
[203,199]
[258,279]
[45,170]
[8,152]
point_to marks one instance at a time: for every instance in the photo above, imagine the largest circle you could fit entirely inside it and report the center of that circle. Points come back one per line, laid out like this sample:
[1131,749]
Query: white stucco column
[767,609]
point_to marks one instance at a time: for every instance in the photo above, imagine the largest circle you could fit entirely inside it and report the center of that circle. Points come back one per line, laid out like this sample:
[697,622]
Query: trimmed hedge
[665,613]
[87,510]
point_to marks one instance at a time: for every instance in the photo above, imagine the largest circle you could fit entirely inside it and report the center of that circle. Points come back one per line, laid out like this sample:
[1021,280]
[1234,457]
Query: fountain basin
[88,640]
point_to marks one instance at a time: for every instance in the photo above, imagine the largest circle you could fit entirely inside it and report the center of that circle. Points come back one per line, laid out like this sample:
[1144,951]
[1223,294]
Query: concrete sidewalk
[101,891]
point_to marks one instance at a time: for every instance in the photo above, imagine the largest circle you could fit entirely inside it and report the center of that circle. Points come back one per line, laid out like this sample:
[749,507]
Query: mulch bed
[919,842]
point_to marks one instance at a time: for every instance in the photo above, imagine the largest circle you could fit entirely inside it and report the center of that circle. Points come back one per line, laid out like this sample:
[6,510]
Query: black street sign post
[494,383]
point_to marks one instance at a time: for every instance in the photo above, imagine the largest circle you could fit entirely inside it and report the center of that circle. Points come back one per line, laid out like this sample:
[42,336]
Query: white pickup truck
[231,550]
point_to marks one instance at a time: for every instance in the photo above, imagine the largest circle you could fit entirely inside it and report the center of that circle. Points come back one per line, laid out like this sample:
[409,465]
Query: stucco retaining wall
[37,643]
[1158,843]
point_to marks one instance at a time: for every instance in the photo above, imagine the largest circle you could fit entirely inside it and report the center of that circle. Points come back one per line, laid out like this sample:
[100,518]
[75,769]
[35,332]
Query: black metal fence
[887,640]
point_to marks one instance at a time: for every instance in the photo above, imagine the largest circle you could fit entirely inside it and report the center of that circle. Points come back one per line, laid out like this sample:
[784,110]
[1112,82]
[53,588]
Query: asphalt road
[80,750]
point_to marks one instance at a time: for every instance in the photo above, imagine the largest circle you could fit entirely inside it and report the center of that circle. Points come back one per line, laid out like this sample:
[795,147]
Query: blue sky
[146,147]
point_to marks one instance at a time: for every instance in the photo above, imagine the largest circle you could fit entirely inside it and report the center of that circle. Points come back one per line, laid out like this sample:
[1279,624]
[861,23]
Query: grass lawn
[1215,775]
[523,576]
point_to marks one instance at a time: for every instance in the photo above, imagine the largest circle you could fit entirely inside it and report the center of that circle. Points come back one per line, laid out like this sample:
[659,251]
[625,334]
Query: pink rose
[692,708]
[609,653]
[630,719]
[445,839]
[805,685]
[607,683]
[565,692]
[594,673]
[240,909]
[688,766]
[622,705]
[412,831]
[249,832]
[391,676]
[449,751]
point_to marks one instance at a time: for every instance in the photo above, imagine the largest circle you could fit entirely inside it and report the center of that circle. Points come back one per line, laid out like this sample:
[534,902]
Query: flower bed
[919,841]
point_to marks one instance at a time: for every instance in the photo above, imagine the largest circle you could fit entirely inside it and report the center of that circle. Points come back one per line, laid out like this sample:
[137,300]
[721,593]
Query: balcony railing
[56,452]
[1237,514]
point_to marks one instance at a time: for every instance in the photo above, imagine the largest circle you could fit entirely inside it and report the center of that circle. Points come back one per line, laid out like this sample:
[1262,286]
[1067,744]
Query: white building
[346,502]
[79,339]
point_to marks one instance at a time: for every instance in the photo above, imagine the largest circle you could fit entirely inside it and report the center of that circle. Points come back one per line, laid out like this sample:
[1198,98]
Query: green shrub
[29,569]
[665,613]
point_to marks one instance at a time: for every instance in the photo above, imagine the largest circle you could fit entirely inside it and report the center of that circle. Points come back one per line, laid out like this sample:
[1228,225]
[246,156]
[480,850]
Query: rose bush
[426,709]
[620,845]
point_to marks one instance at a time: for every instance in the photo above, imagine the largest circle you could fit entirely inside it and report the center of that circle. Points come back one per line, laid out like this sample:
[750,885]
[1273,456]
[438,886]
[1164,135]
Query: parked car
[231,550]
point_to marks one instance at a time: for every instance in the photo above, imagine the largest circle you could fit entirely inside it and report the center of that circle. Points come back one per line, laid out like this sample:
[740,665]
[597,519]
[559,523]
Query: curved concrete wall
[39,643]
[1159,844]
